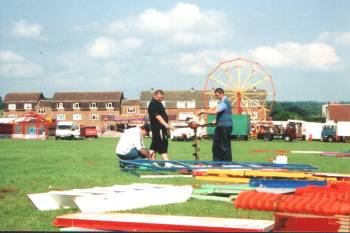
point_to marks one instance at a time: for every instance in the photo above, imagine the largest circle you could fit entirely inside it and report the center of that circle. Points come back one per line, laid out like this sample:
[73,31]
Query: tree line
[298,110]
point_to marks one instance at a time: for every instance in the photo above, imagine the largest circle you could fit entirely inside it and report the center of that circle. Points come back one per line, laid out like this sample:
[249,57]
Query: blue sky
[136,45]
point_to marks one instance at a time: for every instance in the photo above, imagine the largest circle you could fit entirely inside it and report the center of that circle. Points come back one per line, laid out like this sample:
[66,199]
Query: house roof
[87,96]
[44,104]
[339,112]
[23,97]
[130,103]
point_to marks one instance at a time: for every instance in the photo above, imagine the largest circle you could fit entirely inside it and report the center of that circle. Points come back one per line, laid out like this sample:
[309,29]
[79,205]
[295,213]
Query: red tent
[30,126]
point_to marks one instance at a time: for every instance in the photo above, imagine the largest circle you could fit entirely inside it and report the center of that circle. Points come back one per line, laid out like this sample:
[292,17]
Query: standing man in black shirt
[159,125]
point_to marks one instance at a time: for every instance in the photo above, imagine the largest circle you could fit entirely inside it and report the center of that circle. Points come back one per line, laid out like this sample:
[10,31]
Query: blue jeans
[222,144]
[133,154]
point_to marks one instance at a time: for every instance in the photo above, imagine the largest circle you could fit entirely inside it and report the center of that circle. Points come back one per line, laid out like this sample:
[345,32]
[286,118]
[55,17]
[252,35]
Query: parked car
[88,131]
[67,130]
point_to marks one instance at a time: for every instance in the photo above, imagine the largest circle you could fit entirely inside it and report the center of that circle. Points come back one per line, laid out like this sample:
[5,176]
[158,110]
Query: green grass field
[40,166]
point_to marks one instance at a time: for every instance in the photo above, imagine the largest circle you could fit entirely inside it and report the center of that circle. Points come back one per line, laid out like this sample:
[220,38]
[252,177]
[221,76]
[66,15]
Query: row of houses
[105,109]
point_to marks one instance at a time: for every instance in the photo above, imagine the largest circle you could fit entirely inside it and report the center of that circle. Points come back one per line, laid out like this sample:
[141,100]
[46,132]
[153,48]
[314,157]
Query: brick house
[87,108]
[336,112]
[182,104]
[18,104]
[44,108]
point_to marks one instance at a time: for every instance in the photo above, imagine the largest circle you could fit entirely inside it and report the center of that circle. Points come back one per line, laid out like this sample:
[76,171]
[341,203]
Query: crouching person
[131,145]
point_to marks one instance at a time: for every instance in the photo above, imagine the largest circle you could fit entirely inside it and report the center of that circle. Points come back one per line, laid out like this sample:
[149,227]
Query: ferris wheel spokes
[229,76]
[219,81]
[249,78]
[258,82]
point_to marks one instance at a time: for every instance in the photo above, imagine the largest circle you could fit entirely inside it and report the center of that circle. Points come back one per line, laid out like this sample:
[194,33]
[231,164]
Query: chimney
[192,89]
[152,90]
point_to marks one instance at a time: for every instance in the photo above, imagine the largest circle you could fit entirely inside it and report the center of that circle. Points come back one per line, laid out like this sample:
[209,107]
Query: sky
[109,45]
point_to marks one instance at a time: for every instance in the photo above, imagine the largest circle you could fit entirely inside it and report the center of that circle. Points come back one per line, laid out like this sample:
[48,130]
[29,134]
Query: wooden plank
[263,173]
[274,183]
[287,222]
[165,176]
[275,190]
[203,191]
[148,222]
[223,179]
[66,199]
[211,198]
[277,174]
[228,186]
[44,201]
[134,199]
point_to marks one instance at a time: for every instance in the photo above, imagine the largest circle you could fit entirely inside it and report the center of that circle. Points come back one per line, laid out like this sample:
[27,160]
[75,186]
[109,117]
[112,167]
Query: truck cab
[328,133]
[67,130]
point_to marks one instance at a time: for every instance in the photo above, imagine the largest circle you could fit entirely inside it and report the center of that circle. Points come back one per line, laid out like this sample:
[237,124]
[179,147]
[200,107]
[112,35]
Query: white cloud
[109,47]
[185,24]
[14,65]
[313,55]
[202,62]
[342,38]
[24,29]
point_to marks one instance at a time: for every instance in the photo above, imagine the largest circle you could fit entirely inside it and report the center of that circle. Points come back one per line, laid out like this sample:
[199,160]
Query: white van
[67,130]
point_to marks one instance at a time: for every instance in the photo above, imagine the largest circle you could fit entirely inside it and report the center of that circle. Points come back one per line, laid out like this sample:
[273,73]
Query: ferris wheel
[247,85]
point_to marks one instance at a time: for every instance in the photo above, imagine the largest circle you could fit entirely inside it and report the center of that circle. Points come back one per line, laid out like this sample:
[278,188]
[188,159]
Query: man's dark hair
[146,127]
[219,90]
[158,92]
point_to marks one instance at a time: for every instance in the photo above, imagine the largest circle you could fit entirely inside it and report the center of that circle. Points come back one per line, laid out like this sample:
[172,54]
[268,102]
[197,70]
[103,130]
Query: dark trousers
[222,144]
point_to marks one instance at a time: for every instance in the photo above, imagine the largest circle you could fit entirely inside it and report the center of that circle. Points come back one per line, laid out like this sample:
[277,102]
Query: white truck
[313,129]
[339,131]
[67,130]
[343,130]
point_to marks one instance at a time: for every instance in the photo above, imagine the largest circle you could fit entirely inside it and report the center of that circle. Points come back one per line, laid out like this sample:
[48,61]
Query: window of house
[93,117]
[254,115]
[212,103]
[245,103]
[181,104]
[12,107]
[186,104]
[76,106]
[93,105]
[131,110]
[191,104]
[28,106]
[76,117]
[12,116]
[254,103]
[41,111]
[60,117]
[109,105]
[60,106]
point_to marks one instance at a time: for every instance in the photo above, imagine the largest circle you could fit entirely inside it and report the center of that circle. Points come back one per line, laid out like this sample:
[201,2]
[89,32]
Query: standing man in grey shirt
[221,148]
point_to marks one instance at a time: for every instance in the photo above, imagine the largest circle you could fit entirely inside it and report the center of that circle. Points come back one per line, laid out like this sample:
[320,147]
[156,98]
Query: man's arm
[209,111]
[162,121]
[145,153]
